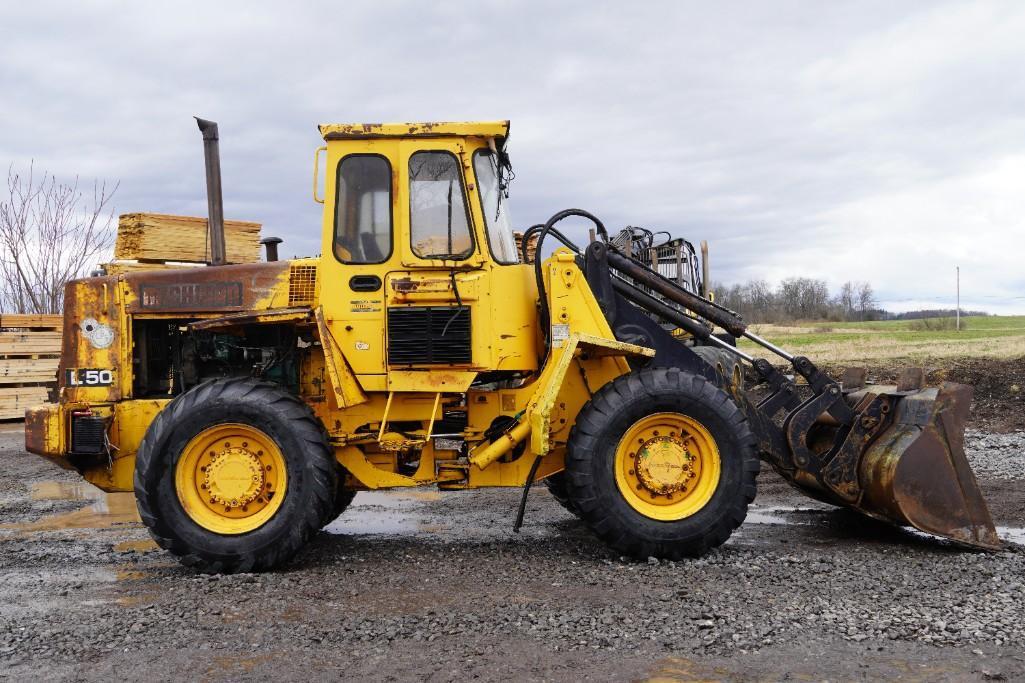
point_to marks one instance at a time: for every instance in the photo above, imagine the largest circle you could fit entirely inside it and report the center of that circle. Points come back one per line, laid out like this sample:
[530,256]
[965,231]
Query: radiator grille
[426,335]
[302,283]
[87,435]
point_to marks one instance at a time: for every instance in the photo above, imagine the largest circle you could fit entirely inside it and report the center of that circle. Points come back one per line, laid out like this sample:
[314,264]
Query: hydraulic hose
[535,228]
[545,314]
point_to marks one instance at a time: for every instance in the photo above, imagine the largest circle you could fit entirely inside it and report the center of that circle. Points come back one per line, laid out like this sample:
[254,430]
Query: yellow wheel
[662,463]
[235,475]
[667,466]
[231,478]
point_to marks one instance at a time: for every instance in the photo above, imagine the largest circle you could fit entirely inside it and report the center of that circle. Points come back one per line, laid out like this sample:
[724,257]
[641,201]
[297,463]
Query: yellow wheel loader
[246,404]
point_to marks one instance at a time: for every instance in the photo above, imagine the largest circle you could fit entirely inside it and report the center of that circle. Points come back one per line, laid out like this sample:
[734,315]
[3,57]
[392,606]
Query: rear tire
[669,516]
[556,484]
[172,494]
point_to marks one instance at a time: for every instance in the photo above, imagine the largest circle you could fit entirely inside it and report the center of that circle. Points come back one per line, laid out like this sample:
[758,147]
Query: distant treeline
[808,299]
[932,313]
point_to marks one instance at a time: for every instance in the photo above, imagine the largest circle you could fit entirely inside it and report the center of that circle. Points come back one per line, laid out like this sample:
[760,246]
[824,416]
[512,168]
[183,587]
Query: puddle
[387,513]
[130,575]
[781,515]
[64,490]
[790,516]
[682,670]
[147,545]
[105,509]
[138,600]
[1012,534]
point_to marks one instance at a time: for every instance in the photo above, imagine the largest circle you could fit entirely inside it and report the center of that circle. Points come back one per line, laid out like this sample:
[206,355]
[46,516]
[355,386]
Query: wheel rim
[667,466]
[231,478]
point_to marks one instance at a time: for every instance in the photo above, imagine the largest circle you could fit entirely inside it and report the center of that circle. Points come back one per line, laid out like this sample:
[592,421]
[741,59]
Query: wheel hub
[664,465]
[231,478]
[667,466]
[234,477]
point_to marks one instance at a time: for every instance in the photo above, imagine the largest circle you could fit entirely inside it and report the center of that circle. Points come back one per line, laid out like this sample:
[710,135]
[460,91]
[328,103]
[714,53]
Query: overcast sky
[880,141]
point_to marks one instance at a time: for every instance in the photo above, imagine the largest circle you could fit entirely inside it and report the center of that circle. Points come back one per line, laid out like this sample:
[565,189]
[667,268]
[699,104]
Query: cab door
[360,249]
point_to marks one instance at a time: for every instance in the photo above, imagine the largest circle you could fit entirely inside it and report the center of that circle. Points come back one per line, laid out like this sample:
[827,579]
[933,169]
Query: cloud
[868,140]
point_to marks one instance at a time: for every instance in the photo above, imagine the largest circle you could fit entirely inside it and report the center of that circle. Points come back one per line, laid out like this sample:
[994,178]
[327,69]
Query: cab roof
[431,129]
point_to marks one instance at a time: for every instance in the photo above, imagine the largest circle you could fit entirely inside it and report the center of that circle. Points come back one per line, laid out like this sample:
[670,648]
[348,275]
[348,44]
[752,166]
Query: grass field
[984,337]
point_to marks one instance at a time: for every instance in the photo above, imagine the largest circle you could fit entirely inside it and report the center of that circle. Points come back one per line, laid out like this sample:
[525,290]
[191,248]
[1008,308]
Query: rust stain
[195,290]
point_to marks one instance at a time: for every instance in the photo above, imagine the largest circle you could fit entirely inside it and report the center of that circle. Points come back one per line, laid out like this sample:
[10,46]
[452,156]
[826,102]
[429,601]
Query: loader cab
[420,270]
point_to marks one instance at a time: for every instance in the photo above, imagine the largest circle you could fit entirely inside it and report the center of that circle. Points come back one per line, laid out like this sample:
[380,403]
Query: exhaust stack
[214,199]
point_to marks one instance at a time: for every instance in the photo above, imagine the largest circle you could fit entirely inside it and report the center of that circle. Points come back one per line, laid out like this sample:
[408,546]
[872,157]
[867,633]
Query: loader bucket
[916,473]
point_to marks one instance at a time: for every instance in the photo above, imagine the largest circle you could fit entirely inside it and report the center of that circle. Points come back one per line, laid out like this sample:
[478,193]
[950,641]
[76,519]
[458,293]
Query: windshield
[494,204]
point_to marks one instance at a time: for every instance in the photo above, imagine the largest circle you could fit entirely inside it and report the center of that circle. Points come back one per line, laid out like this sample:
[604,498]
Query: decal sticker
[362,346]
[96,333]
[364,306]
[88,377]
[560,333]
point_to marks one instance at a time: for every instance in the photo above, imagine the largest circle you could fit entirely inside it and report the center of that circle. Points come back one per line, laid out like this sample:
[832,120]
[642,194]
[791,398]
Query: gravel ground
[435,586]
[998,456]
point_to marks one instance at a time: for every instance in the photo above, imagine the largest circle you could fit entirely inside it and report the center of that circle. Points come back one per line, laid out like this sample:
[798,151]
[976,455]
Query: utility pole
[958,298]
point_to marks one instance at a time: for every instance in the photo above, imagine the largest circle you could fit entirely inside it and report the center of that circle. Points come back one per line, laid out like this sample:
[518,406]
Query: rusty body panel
[243,287]
[279,315]
[356,131]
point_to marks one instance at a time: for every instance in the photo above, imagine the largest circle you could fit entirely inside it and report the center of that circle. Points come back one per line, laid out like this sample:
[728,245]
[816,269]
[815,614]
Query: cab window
[439,223]
[363,221]
[494,202]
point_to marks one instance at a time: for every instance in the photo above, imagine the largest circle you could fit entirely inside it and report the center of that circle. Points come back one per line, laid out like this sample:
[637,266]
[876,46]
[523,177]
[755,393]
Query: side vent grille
[302,283]
[426,335]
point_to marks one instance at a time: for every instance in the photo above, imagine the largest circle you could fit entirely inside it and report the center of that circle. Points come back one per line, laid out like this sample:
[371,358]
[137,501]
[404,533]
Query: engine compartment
[168,358]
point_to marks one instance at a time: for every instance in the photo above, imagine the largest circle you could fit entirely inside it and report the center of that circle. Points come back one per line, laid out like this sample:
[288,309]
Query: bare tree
[846,300]
[804,298]
[866,299]
[49,235]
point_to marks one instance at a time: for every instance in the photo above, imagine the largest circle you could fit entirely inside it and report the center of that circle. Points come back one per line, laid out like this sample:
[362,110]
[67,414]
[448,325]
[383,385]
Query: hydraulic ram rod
[704,308]
[678,318]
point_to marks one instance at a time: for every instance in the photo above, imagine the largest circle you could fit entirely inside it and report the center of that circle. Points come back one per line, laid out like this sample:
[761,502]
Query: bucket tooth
[854,379]
[912,379]
[916,472]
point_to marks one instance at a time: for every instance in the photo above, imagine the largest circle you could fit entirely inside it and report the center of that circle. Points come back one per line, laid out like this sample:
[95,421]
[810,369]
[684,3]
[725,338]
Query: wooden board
[161,237]
[28,370]
[14,400]
[26,343]
[42,321]
[119,267]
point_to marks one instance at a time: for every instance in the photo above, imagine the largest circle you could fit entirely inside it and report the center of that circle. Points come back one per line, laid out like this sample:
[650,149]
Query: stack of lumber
[30,347]
[160,237]
[531,247]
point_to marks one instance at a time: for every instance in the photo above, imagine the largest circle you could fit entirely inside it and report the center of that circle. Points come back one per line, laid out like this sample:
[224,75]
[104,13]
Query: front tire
[661,463]
[234,475]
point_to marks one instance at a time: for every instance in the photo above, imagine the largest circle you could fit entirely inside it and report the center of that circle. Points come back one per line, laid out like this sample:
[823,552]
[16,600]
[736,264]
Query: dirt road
[435,586]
